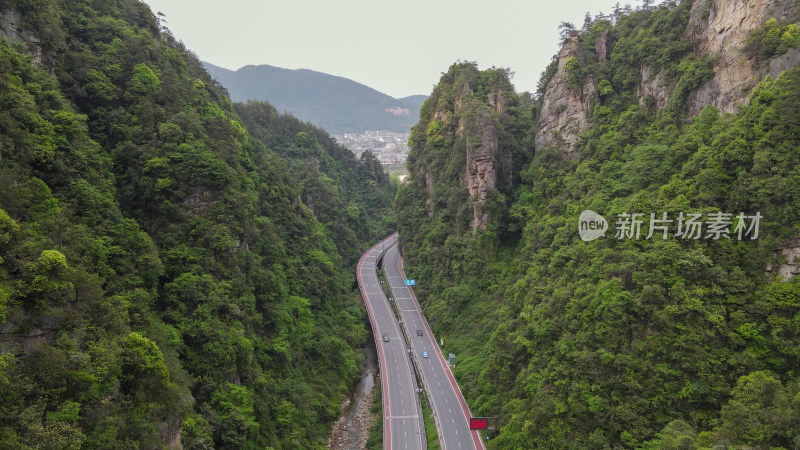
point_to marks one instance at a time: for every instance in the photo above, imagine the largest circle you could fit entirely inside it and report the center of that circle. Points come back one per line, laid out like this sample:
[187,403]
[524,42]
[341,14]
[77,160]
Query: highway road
[402,418]
[450,410]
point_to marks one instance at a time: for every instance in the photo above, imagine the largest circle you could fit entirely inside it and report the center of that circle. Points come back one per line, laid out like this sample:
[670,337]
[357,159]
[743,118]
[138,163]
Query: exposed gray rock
[789,258]
[481,176]
[602,46]
[11,30]
[566,112]
[655,85]
[719,29]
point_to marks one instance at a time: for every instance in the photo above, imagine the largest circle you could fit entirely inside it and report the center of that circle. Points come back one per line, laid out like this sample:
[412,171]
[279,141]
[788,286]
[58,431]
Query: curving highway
[402,418]
[450,410]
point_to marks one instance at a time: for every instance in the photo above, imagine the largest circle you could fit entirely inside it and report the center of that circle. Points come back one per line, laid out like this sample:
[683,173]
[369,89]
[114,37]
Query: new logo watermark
[591,225]
[718,225]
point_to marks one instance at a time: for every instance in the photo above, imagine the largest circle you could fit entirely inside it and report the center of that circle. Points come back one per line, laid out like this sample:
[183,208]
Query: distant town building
[390,149]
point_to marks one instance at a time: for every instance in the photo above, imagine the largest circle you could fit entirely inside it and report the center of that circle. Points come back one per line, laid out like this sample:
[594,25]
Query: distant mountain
[337,104]
[415,100]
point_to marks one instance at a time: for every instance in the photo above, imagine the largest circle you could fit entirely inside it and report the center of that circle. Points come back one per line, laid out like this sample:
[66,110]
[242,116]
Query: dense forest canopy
[177,269]
[174,268]
[614,343]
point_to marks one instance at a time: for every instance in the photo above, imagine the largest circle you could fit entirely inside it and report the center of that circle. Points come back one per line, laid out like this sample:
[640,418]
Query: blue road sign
[411,282]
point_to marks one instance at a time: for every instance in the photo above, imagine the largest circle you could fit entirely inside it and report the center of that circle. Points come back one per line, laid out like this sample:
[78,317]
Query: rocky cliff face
[481,175]
[719,29]
[653,84]
[791,253]
[788,257]
[477,127]
[10,29]
[566,111]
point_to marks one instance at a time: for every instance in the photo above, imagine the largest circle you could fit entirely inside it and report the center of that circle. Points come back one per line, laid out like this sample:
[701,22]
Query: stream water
[350,431]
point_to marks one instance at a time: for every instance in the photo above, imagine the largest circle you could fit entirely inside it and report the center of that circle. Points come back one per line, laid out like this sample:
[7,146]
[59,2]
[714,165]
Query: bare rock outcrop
[789,257]
[481,176]
[566,111]
[17,335]
[198,200]
[497,101]
[459,106]
[428,190]
[655,85]
[719,29]
[172,435]
[11,30]
[482,148]
[791,267]
[602,46]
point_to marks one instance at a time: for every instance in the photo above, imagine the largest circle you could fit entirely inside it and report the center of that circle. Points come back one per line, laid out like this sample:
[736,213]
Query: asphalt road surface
[402,418]
[450,410]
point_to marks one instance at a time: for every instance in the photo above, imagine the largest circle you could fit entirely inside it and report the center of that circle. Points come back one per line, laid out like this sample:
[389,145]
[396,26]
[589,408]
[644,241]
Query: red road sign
[478,423]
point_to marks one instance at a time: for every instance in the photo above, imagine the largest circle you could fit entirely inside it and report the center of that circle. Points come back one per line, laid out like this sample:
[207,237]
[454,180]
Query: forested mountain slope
[174,269]
[628,342]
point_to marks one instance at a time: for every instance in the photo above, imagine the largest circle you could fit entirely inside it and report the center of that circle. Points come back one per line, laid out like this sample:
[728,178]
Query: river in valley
[351,430]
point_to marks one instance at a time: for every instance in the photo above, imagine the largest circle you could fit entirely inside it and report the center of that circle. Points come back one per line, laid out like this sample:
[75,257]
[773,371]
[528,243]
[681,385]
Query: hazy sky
[399,47]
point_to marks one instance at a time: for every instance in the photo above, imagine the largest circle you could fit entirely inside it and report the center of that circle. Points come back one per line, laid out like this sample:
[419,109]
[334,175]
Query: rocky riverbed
[351,429]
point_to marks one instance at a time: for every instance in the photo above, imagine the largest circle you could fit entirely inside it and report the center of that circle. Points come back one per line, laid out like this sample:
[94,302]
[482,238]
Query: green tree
[757,413]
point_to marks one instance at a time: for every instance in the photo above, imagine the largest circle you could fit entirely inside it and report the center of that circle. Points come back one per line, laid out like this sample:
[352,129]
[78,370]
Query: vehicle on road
[424,354]
[419,332]
[385,337]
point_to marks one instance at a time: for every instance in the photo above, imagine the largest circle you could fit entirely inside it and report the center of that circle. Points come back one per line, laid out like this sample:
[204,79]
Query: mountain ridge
[334,103]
